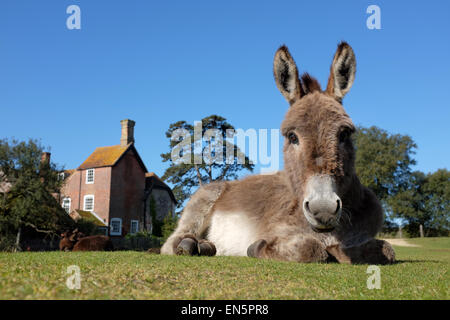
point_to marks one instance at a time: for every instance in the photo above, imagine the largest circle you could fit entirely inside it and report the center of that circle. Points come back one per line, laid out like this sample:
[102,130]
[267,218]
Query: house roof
[109,156]
[104,156]
[153,181]
[91,216]
[68,172]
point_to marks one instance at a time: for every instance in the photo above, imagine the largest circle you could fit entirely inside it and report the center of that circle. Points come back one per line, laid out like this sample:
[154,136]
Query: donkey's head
[318,151]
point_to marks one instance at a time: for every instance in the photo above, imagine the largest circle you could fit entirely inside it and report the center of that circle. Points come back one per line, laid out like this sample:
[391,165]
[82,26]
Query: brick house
[113,185]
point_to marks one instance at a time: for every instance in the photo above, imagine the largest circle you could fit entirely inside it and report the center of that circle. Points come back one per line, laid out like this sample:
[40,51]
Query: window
[134,226]
[103,230]
[90,176]
[61,176]
[116,227]
[66,204]
[89,203]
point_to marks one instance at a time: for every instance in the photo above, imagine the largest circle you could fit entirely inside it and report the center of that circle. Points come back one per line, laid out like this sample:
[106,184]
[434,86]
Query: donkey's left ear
[286,75]
[342,72]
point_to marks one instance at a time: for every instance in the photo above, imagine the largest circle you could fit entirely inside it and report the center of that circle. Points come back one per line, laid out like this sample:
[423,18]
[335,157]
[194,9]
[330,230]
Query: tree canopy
[383,163]
[188,175]
[28,200]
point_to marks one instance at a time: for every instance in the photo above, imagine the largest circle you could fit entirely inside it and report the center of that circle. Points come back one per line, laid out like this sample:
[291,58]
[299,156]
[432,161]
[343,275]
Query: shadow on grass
[415,261]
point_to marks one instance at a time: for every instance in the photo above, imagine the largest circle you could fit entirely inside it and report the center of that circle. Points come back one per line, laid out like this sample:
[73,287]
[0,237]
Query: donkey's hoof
[255,248]
[187,247]
[206,248]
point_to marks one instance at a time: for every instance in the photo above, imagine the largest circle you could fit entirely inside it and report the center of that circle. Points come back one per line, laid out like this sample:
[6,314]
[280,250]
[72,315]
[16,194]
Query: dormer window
[90,176]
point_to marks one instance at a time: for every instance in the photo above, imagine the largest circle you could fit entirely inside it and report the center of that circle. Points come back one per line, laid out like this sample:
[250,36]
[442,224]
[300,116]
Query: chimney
[44,165]
[45,157]
[127,132]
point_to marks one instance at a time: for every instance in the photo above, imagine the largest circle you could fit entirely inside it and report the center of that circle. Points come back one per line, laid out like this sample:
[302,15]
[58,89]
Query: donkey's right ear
[343,69]
[286,75]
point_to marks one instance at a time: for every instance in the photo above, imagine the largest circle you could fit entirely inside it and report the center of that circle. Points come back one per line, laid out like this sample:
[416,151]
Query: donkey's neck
[353,198]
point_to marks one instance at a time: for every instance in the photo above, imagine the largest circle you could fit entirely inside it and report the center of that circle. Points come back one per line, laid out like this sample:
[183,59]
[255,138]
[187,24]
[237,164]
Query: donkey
[68,239]
[77,241]
[315,210]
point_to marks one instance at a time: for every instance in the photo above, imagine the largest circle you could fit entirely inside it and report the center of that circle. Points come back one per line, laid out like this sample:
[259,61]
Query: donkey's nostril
[338,206]
[307,206]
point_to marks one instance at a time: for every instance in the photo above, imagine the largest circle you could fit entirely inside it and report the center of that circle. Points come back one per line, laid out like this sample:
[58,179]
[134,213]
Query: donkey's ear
[286,75]
[342,72]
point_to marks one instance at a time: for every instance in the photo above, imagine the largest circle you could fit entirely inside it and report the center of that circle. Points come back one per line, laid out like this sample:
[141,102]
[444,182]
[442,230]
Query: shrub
[142,240]
[87,226]
[168,226]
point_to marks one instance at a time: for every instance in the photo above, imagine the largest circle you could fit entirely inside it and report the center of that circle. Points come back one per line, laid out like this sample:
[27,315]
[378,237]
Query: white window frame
[87,176]
[70,203]
[111,231]
[61,176]
[93,202]
[137,226]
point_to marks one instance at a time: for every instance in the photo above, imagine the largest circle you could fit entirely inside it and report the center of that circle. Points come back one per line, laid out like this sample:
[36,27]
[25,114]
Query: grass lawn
[422,273]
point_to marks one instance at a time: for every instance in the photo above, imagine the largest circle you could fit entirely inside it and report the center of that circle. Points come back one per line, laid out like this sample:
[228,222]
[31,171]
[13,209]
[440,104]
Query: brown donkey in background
[315,210]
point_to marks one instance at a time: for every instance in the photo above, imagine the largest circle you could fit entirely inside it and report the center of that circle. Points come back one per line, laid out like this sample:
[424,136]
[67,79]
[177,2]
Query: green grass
[422,273]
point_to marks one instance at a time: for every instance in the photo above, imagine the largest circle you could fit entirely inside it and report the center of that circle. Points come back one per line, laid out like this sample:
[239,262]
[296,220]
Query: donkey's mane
[309,84]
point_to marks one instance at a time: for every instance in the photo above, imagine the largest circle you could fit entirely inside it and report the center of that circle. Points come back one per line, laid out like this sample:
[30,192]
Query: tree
[168,227]
[425,203]
[409,202]
[437,201]
[188,175]
[383,161]
[156,223]
[29,202]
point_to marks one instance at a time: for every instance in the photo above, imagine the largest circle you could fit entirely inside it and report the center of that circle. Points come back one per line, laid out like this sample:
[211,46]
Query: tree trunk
[421,231]
[400,234]
[17,246]
[210,174]
[199,177]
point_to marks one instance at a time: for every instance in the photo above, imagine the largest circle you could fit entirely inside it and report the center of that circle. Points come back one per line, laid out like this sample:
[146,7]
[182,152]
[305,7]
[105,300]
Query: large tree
[409,202]
[383,161]
[425,203]
[26,200]
[206,155]
[437,201]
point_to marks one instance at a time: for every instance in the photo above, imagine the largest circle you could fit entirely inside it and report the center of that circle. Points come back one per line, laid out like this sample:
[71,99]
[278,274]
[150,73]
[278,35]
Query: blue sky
[158,62]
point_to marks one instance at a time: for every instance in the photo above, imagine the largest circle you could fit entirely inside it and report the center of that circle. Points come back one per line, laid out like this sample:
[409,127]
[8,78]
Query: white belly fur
[232,233]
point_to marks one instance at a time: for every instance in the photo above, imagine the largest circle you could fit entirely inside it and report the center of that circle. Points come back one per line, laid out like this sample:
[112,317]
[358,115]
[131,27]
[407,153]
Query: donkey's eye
[344,135]
[293,138]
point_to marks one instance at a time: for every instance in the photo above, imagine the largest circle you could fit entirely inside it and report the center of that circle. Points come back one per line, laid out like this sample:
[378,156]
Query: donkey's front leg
[305,250]
[372,252]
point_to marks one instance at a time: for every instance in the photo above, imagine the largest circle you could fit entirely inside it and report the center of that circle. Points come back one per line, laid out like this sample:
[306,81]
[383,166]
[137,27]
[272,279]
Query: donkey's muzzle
[324,211]
[322,206]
